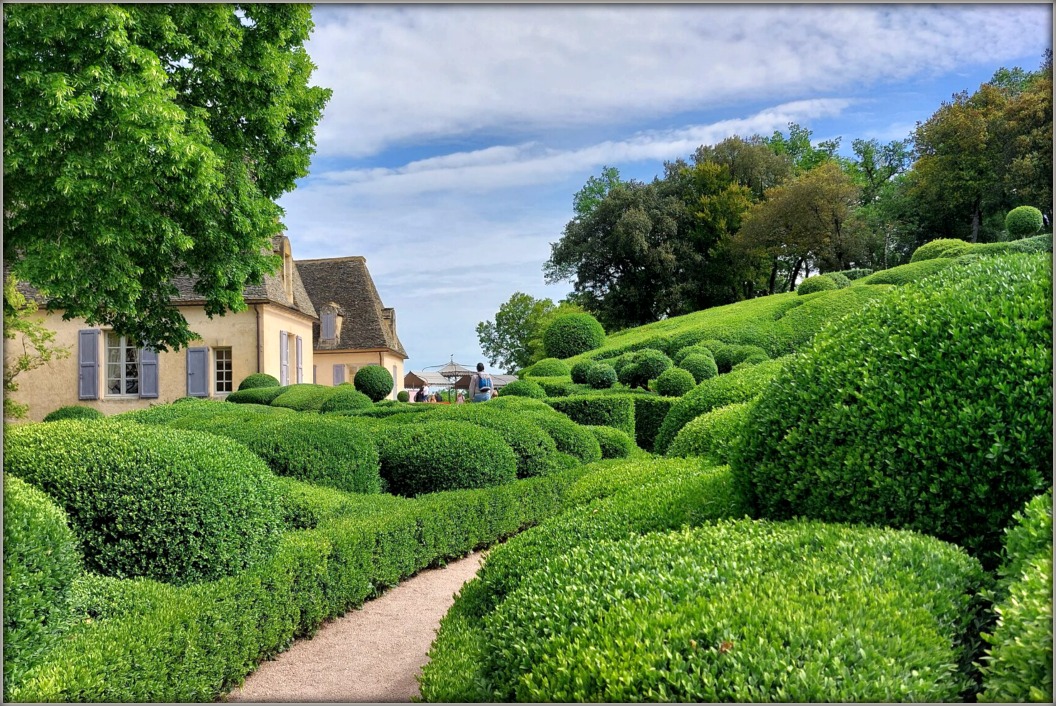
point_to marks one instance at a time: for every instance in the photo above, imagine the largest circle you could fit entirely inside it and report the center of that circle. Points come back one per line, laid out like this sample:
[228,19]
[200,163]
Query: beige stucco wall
[56,384]
[354,360]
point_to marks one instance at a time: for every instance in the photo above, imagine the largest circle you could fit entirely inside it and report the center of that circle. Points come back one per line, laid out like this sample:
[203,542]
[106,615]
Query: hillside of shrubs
[838,494]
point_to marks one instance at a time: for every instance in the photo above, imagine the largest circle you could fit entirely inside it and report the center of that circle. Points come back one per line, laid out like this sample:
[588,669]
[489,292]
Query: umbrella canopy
[455,370]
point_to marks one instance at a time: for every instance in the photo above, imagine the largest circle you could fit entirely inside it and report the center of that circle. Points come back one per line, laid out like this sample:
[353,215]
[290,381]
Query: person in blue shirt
[480,385]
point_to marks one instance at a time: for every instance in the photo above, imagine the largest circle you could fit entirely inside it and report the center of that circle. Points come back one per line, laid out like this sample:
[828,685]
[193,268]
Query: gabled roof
[345,283]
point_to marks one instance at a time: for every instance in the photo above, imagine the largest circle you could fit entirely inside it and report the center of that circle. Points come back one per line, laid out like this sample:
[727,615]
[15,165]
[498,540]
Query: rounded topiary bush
[41,560]
[345,397]
[534,448]
[374,381]
[646,365]
[695,349]
[840,279]
[711,435]
[728,356]
[303,397]
[936,248]
[402,396]
[675,382]
[572,334]
[444,455]
[524,388]
[614,443]
[601,376]
[910,272]
[1023,222]
[700,366]
[74,411]
[578,372]
[570,438]
[931,410]
[547,368]
[256,395]
[258,380]
[172,505]
[817,283]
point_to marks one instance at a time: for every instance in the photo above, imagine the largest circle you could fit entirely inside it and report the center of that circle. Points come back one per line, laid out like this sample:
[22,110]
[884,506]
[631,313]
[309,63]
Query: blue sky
[457,134]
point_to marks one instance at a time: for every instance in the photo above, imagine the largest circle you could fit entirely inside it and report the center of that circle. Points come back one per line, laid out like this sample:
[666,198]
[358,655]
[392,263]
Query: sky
[457,135]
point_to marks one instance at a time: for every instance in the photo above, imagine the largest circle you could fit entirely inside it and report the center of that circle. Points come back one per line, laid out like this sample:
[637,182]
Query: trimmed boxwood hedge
[1029,534]
[1023,221]
[346,397]
[700,366]
[675,382]
[431,456]
[735,386]
[649,415]
[683,616]
[555,386]
[601,376]
[817,283]
[303,397]
[321,450]
[616,411]
[572,334]
[524,388]
[547,368]
[849,431]
[569,437]
[41,560]
[614,442]
[73,411]
[728,356]
[910,272]
[374,381]
[578,371]
[712,434]
[176,506]
[258,380]
[647,364]
[935,249]
[694,349]
[256,395]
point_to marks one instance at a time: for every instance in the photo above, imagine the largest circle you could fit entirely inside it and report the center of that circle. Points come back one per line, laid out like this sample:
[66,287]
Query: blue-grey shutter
[284,358]
[88,356]
[148,372]
[339,374]
[315,374]
[300,362]
[197,372]
[329,324]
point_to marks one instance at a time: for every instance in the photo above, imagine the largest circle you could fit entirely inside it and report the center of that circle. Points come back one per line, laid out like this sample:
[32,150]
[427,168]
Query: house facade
[113,374]
[354,328]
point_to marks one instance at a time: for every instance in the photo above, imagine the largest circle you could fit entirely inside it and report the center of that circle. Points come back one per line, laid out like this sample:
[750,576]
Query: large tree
[146,142]
[506,341]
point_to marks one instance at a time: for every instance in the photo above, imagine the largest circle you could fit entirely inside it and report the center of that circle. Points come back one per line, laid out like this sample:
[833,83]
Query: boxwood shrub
[695,349]
[173,505]
[258,380]
[935,249]
[682,616]
[601,376]
[515,403]
[41,560]
[675,382]
[700,366]
[73,411]
[649,415]
[374,381]
[853,274]
[729,356]
[444,455]
[735,386]
[712,434]
[321,450]
[908,273]
[614,442]
[840,279]
[403,396]
[524,388]
[572,334]
[547,368]
[816,283]
[1029,534]
[646,365]
[848,432]
[346,397]
[1023,221]
[569,437]
[256,395]
[303,397]
[578,371]
[555,386]
[616,411]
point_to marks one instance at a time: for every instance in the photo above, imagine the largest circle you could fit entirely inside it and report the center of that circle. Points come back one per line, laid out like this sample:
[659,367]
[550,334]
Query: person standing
[480,385]
[460,397]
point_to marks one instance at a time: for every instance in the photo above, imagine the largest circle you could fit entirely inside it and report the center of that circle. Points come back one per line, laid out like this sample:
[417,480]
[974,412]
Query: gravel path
[373,654]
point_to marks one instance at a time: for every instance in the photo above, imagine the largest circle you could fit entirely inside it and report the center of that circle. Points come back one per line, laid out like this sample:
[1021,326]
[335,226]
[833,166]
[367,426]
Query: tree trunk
[795,275]
[773,277]
[977,216]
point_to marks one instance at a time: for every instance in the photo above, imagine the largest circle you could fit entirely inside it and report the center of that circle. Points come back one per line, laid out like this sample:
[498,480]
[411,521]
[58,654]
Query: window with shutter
[329,326]
[88,359]
[284,358]
[339,374]
[148,370]
[300,361]
[122,366]
[223,379]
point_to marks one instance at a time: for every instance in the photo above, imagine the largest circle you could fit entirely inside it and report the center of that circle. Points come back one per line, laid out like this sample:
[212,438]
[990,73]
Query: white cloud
[425,72]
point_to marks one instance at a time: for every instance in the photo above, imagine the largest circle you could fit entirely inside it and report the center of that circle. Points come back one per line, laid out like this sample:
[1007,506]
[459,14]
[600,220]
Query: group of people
[481,389]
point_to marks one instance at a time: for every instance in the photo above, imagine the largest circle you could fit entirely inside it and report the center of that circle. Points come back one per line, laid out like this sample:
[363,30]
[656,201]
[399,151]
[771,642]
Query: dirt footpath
[372,654]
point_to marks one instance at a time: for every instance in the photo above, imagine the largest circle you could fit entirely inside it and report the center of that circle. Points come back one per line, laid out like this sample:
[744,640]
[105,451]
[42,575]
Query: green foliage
[215,98]
[200,409]
[303,397]
[694,349]
[936,248]
[614,443]
[345,397]
[560,386]
[817,283]
[321,450]
[675,382]
[444,455]
[1023,222]
[256,380]
[569,437]
[578,371]
[908,273]
[735,386]
[1039,243]
[73,411]
[839,278]
[700,366]
[601,376]
[712,434]
[856,412]
[616,411]
[649,415]
[508,341]
[852,274]
[728,356]
[402,396]
[41,560]
[547,367]
[176,506]
[734,612]
[573,334]
[515,403]
[646,365]
[256,395]
[36,340]
[374,381]
[1029,534]
[524,388]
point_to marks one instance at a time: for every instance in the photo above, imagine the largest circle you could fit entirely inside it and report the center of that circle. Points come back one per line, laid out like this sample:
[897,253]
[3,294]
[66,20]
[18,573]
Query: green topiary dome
[374,381]
[573,334]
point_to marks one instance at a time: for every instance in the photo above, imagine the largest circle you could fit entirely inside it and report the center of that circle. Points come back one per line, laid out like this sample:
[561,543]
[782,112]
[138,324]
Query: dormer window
[329,326]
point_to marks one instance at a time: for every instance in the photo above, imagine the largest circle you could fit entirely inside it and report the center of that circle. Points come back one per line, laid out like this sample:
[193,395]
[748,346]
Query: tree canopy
[146,142]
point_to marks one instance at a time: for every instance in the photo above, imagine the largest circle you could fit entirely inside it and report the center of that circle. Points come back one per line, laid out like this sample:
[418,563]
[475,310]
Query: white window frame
[219,357]
[123,345]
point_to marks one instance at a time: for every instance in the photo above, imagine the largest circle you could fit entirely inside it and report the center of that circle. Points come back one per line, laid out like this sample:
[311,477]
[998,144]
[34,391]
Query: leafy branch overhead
[147,142]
